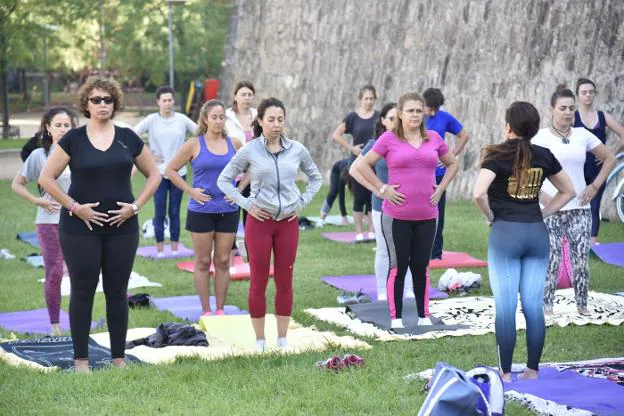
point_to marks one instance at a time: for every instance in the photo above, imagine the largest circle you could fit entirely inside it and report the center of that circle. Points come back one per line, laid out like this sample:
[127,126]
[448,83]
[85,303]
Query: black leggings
[409,245]
[336,188]
[85,257]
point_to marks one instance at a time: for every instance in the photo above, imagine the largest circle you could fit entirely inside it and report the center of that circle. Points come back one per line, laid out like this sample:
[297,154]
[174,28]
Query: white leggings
[382,263]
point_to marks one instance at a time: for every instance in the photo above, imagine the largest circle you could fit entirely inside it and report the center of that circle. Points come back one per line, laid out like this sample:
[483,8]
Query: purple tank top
[206,169]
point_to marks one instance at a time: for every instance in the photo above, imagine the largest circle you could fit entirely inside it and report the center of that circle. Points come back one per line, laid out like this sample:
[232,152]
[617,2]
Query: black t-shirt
[515,202]
[362,129]
[100,176]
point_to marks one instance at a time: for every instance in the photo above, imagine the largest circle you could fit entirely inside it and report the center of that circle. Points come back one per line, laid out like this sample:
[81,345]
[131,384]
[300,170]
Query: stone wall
[315,54]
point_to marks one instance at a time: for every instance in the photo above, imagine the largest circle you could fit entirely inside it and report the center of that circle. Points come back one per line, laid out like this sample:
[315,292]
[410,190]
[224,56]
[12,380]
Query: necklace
[563,134]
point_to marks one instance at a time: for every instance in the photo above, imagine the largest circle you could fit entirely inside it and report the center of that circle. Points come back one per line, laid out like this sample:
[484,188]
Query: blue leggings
[517,261]
[160,210]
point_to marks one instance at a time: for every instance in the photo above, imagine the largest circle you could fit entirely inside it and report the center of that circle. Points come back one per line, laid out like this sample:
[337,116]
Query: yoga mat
[570,389]
[189,307]
[135,281]
[29,238]
[55,352]
[150,251]
[610,253]
[376,313]
[456,260]
[35,321]
[478,315]
[34,260]
[332,220]
[367,284]
[241,269]
[347,237]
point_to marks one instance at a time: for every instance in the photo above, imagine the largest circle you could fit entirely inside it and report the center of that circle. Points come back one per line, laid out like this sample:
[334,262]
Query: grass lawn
[273,384]
[12,144]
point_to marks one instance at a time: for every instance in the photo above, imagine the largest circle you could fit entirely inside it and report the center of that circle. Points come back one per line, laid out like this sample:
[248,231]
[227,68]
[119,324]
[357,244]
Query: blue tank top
[206,169]
[590,169]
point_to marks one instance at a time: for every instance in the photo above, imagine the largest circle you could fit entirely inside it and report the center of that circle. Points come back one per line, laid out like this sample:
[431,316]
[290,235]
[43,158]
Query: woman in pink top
[410,199]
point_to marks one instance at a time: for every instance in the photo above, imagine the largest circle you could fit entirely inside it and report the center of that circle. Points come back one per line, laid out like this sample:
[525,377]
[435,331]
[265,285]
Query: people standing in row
[212,219]
[506,191]
[360,125]
[410,206]
[570,145]
[99,229]
[385,122]
[442,122]
[166,131]
[337,184]
[54,124]
[597,123]
[271,162]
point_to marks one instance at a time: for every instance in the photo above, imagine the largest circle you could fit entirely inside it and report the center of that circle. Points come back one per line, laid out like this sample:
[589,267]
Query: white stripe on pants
[382,263]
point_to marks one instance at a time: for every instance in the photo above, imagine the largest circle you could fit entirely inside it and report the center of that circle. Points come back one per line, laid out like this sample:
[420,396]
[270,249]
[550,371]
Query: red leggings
[261,238]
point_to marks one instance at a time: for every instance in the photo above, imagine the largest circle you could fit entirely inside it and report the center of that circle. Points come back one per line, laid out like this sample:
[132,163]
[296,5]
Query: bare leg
[223,250]
[258,327]
[174,245]
[202,244]
[82,366]
[119,363]
[160,247]
[282,325]
[528,374]
[358,219]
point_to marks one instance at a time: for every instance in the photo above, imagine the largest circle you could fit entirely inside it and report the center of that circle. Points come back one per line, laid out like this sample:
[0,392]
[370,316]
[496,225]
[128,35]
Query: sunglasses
[99,100]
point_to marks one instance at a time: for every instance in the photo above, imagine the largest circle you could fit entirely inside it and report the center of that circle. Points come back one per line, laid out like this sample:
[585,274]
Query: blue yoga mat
[34,321]
[610,253]
[189,307]
[29,238]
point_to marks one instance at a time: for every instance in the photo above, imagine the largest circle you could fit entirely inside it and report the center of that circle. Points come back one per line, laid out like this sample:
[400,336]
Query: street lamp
[171,4]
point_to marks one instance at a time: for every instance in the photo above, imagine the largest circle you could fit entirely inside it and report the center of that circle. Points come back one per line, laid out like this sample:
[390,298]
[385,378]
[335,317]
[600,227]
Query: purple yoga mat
[347,237]
[366,283]
[611,253]
[569,388]
[36,321]
[189,307]
[150,251]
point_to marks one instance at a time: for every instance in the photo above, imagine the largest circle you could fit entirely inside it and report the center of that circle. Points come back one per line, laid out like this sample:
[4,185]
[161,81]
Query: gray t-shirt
[166,136]
[31,170]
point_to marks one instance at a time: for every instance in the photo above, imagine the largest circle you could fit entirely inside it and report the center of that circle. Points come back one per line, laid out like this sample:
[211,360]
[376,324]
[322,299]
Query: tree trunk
[4,80]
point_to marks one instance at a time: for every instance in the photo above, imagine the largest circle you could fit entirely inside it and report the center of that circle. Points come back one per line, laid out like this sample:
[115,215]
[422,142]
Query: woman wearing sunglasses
[99,228]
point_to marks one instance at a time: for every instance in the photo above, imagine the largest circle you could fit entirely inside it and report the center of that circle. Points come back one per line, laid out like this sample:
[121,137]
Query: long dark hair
[45,138]
[379,126]
[238,86]
[524,120]
[264,104]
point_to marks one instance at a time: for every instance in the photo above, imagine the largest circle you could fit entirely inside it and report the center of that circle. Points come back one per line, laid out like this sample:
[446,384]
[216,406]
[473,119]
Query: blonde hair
[203,114]
[99,83]
[397,129]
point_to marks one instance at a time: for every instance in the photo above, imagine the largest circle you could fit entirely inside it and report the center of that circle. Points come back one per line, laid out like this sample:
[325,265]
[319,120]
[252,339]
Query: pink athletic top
[413,169]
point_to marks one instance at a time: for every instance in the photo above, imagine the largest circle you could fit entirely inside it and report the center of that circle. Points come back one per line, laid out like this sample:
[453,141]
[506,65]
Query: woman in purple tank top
[212,218]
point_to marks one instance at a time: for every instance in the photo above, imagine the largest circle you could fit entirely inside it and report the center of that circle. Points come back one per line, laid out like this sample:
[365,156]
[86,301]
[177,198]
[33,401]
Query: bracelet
[593,186]
[72,207]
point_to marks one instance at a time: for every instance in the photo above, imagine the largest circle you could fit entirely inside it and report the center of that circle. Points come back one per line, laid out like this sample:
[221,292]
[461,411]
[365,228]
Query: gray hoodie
[272,177]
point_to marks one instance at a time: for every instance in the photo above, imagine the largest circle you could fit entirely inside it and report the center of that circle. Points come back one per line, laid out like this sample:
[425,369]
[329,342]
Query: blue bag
[453,392]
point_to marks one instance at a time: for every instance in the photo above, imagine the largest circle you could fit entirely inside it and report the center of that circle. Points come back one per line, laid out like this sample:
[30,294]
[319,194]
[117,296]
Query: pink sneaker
[332,363]
[207,313]
[220,312]
[352,360]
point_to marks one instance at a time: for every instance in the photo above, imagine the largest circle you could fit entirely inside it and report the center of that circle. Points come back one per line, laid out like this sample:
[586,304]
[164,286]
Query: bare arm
[450,162]
[146,165]
[355,174]
[479,193]
[338,135]
[618,129]
[365,171]
[188,151]
[19,187]
[460,143]
[56,164]
[564,185]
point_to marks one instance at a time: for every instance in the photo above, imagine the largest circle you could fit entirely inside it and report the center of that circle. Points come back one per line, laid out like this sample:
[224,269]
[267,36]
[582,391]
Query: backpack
[453,392]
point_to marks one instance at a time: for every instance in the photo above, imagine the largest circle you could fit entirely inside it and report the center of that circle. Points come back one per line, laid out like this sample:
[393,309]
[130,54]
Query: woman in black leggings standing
[361,125]
[99,228]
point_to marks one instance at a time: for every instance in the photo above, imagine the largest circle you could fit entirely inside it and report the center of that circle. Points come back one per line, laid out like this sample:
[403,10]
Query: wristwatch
[383,188]
[135,208]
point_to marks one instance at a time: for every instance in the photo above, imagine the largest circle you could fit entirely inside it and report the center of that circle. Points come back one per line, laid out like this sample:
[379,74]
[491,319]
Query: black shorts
[199,222]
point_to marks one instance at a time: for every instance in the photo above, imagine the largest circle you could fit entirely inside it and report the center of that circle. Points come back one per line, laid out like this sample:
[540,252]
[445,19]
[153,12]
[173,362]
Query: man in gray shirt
[166,131]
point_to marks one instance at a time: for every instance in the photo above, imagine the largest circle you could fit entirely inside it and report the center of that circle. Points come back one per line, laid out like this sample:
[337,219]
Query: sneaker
[55,330]
[320,224]
[396,323]
[282,342]
[232,270]
[333,363]
[6,254]
[207,313]
[174,252]
[352,360]
[220,312]
[424,322]
[371,236]
[261,345]
[160,254]
[359,237]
